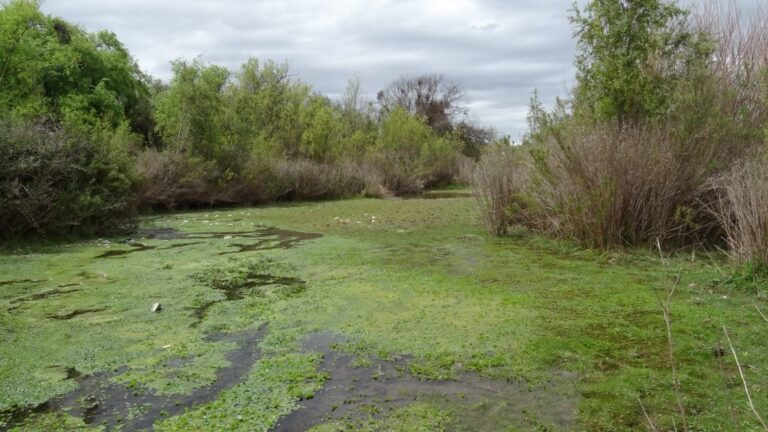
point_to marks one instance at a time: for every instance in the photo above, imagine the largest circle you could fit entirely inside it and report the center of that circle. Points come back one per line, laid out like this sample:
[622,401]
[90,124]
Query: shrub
[54,182]
[609,186]
[499,180]
[465,167]
[743,210]
[170,179]
[410,155]
[308,180]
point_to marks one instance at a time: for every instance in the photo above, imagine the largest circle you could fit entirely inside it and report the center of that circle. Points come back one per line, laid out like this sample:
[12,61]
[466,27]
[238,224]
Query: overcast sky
[498,50]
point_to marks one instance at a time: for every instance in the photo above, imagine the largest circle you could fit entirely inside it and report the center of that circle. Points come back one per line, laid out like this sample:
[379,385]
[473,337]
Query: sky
[499,51]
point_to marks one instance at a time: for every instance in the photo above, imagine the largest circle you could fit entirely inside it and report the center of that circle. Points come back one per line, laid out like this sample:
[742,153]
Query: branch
[760,312]
[651,424]
[744,381]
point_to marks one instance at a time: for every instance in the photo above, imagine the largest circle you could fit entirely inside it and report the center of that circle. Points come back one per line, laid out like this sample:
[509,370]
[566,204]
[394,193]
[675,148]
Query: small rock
[102,275]
[227,237]
[696,301]
[157,307]
[692,285]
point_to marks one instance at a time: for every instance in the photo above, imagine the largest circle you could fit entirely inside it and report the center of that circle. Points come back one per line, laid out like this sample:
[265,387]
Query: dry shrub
[499,180]
[465,167]
[308,180]
[611,186]
[740,58]
[170,179]
[395,173]
[743,210]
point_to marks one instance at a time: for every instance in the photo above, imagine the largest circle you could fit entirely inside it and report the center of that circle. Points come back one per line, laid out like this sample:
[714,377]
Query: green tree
[321,138]
[189,114]
[629,54]
[49,67]
[266,108]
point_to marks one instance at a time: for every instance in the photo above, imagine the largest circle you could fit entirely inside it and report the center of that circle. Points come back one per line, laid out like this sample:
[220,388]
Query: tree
[474,138]
[189,114]
[430,96]
[629,54]
[49,67]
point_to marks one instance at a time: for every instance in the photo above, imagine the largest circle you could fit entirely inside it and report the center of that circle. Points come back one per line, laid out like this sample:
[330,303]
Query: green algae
[414,279]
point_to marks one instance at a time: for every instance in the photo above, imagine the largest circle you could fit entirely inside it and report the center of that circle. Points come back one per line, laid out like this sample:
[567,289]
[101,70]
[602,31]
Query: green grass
[416,278]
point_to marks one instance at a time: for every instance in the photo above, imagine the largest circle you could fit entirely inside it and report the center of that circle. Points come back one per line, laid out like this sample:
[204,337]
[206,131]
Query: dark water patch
[74,313]
[161,233]
[181,245]
[267,238]
[72,373]
[42,295]
[21,281]
[353,393]
[135,247]
[272,238]
[246,287]
[99,401]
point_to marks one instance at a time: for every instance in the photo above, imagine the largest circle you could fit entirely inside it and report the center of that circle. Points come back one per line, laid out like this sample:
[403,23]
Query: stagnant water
[239,292]
[100,401]
[267,238]
[352,391]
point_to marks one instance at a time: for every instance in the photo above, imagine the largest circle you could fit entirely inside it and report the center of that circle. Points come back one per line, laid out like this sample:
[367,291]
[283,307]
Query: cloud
[498,50]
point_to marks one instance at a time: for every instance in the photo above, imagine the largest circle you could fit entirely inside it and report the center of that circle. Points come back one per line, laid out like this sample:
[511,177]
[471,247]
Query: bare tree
[429,95]
[474,138]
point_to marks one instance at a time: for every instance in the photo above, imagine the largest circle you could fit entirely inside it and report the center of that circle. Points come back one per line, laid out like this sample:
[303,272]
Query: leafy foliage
[629,53]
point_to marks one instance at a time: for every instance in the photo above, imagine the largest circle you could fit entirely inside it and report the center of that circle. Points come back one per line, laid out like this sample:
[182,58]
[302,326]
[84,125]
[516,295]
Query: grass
[412,279]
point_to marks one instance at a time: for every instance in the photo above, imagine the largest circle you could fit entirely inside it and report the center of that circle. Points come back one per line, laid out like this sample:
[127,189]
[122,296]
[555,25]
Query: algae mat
[358,315]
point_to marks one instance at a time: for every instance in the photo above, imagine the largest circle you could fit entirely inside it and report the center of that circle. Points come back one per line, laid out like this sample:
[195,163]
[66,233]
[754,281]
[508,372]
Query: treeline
[88,139]
[662,142]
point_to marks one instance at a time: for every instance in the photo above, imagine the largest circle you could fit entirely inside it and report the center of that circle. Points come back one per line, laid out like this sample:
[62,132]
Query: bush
[742,209]
[499,180]
[307,180]
[410,155]
[53,182]
[170,179]
[609,186]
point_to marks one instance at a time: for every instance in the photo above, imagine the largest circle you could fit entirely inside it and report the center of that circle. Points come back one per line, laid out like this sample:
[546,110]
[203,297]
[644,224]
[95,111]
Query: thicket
[668,107]
[89,139]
